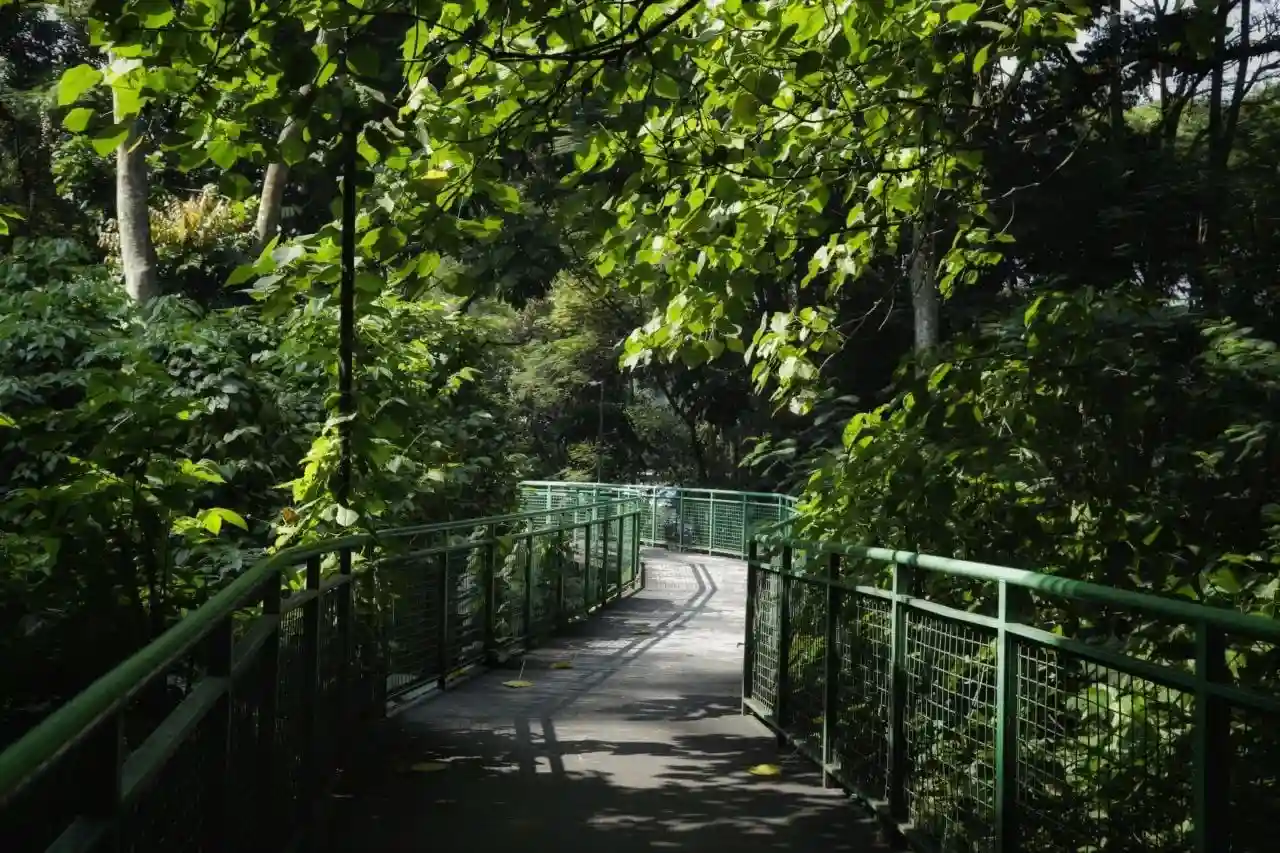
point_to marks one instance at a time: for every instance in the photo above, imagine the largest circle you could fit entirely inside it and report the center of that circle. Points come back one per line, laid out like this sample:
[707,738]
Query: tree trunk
[271,203]
[925,298]
[137,252]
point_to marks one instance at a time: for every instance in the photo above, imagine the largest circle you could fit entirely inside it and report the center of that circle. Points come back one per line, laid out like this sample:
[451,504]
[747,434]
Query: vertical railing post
[749,630]
[489,590]
[101,782]
[897,734]
[1014,604]
[218,805]
[602,585]
[1211,820]
[443,652]
[311,627]
[782,710]
[653,515]
[635,549]
[268,762]
[346,640]
[744,525]
[711,521]
[831,667]
[528,591]
[680,519]
[586,570]
[618,565]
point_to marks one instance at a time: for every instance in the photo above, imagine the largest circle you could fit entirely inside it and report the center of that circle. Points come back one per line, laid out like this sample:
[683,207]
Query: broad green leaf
[78,119]
[109,140]
[75,82]
[962,12]
[346,516]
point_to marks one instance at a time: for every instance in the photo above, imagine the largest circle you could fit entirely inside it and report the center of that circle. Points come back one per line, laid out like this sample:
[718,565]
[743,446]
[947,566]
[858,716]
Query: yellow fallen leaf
[562,664]
[642,632]
[765,770]
[429,766]
[517,684]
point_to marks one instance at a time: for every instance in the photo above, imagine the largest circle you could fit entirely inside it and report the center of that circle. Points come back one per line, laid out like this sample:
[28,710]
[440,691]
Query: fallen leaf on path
[562,664]
[517,683]
[765,770]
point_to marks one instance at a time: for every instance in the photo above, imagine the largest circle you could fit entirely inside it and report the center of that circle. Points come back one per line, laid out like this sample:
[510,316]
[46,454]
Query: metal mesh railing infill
[958,701]
[223,733]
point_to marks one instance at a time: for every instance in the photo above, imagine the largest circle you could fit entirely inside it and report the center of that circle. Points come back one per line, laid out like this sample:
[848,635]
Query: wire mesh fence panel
[728,520]
[1092,736]
[805,662]
[861,730]
[765,640]
[950,731]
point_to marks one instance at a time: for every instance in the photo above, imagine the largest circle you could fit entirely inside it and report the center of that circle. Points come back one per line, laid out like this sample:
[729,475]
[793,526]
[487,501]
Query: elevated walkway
[639,745]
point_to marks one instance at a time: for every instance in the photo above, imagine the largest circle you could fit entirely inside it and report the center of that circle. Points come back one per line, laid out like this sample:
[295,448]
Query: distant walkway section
[629,738]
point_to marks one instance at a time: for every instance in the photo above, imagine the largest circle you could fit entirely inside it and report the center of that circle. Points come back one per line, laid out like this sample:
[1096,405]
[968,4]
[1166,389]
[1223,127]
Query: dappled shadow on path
[533,789]
[639,746]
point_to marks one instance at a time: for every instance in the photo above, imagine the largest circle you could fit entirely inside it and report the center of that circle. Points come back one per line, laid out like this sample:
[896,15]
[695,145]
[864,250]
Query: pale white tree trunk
[271,202]
[925,299]
[133,191]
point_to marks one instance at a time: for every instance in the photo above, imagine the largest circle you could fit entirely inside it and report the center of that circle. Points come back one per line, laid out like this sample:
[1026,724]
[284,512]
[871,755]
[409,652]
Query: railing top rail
[1246,625]
[446,526]
[657,487]
[70,724]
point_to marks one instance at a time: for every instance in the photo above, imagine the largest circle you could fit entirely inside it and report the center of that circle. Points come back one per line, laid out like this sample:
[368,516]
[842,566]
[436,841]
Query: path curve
[639,746]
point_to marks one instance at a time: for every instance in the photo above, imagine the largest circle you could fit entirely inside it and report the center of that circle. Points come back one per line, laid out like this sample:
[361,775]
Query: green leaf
[109,140]
[746,108]
[223,153]
[153,13]
[78,119]
[346,516]
[962,12]
[75,82]
[293,150]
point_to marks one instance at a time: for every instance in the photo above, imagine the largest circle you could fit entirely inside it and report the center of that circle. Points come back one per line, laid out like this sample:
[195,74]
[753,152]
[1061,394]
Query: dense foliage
[990,279]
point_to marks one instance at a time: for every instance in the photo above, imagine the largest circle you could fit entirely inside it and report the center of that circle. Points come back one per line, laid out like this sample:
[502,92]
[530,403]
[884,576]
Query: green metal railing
[983,708]
[223,732]
[711,520]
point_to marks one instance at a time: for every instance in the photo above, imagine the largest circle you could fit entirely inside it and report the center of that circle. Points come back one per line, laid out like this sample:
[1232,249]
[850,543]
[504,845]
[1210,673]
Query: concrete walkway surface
[639,746]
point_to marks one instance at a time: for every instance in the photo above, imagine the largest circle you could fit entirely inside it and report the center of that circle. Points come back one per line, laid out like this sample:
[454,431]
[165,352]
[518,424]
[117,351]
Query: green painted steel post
[680,520]
[711,521]
[527,605]
[490,592]
[831,668]
[782,711]
[1211,820]
[311,684]
[560,612]
[218,805]
[744,526]
[346,640]
[621,539]
[443,658]
[635,549]
[1014,605]
[101,784]
[749,623]
[602,584]
[586,571]
[897,734]
[268,763]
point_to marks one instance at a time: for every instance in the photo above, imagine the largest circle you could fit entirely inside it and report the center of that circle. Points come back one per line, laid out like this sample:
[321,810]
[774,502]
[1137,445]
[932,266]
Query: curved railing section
[715,521]
[986,708]
[223,732]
